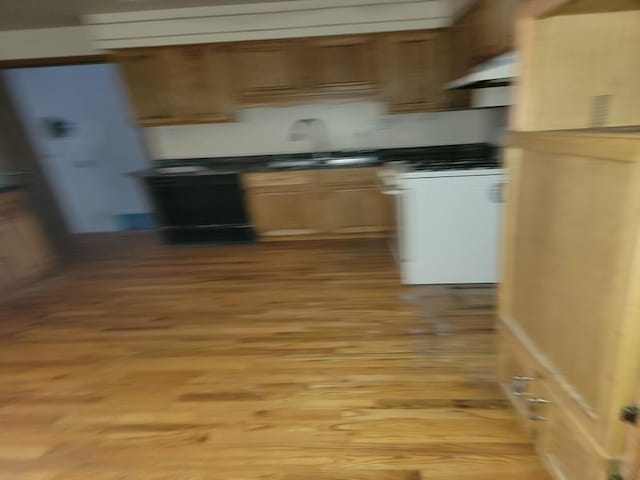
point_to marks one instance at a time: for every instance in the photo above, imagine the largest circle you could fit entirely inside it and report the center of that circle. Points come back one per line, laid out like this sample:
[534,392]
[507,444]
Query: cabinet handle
[533,409]
[517,385]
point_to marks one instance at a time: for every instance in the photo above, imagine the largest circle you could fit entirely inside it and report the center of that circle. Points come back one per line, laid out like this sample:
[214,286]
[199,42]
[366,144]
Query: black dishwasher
[200,208]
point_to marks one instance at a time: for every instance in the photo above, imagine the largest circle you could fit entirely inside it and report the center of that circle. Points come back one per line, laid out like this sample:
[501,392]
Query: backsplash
[354,125]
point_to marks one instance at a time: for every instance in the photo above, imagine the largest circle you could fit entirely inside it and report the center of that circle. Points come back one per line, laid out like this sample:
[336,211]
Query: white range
[448,221]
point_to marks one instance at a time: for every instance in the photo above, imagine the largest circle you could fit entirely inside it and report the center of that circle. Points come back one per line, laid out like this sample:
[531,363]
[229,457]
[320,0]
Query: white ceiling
[19,14]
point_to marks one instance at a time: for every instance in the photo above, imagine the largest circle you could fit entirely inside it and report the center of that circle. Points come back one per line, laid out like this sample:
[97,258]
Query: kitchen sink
[322,161]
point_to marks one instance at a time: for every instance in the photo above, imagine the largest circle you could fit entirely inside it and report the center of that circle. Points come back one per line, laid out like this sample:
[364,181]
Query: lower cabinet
[354,210]
[283,213]
[24,253]
[569,294]
[317,204]
[549,416]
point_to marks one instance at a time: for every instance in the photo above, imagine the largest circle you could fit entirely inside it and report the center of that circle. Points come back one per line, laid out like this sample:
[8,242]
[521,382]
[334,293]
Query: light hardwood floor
[285,361]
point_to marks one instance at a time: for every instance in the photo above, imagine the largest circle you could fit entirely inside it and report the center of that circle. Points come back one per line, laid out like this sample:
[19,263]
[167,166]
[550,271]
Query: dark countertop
[480,152]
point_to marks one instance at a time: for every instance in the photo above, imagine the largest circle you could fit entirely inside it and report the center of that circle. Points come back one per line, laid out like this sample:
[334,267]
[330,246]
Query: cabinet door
[459,64]
[415,70]
[267,72]
[145,74]
[341,64]
[283,213]
[199,82]
[353,209]
[497,17]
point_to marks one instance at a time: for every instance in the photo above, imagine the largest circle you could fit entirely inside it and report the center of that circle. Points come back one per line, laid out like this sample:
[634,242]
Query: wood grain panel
[200,83]
[342,64]
[415,68]
[366,176]
[569,297]
[560,203]
[284,212]
[582,73]
[267,72]
[145,72]
[24,252]
[279,179]
[353,209]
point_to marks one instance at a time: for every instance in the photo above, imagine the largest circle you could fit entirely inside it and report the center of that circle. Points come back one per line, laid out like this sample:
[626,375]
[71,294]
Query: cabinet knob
[517,385]
[534,404]
[629,414]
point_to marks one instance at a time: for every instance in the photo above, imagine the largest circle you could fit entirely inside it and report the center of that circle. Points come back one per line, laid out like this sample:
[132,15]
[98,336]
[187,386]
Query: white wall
[45,43]
[350,125]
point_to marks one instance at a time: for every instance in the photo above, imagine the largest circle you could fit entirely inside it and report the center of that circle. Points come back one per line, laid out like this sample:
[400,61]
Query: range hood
[497,72]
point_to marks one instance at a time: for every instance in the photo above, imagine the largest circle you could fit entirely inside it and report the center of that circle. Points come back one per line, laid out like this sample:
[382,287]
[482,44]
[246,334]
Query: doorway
[76,118]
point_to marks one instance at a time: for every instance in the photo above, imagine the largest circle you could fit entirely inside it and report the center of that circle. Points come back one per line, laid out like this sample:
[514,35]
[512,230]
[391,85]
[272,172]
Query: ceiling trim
[306,18]
[252,9]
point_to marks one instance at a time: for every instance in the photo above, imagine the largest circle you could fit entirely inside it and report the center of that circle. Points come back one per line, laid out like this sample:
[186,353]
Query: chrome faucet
[314,130]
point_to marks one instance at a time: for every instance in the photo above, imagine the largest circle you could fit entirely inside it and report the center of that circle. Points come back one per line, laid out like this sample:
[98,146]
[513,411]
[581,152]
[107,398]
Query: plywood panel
[572,255]
[569,272]
[284,213]
[267,72]
[415,67]
[200,82]
[145,72]
[342,64]
[583,72]
[355,210]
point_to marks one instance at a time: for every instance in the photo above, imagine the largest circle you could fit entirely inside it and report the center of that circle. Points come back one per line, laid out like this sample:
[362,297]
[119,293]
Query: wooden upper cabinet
[415,69]
[459,63]
[145,74]
[344,64]
[199,83]
[267,72]
[497,24]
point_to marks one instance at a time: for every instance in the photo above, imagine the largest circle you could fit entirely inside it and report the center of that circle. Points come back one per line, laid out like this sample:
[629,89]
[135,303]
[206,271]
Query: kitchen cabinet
[582,73]
[24,252]
[317,203]
[282,204]
[268,72]
[484,30]
[146,73]
[341,65]
[209,82]
[568,299]
[199,83]
[497,26]
[352,202]
[460,61]
[415,69]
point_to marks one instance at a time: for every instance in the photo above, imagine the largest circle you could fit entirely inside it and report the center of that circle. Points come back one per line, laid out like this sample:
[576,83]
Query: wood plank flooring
[288,361]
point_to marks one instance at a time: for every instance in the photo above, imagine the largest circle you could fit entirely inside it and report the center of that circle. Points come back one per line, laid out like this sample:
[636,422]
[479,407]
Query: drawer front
[565,448]
[278,179]
[349,176]
[562,439]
